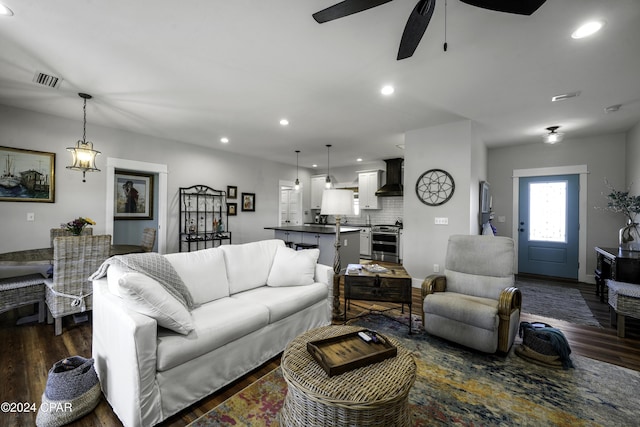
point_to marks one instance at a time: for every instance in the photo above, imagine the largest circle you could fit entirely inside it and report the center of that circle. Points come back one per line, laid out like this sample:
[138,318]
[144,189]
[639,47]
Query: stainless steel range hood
[393,186]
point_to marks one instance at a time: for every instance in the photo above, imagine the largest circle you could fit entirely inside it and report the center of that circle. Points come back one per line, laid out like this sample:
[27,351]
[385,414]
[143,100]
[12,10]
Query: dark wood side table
[394,286]
[616,264]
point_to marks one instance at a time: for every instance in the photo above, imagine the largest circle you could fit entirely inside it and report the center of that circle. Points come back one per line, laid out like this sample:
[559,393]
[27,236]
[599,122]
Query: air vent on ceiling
[47,80]
[564,96]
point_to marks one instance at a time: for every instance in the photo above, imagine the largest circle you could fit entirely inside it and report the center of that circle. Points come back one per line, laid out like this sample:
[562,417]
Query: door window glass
[547,211]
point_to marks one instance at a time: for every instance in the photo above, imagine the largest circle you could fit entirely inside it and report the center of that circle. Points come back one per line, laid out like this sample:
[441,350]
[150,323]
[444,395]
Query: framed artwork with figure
[248,202]
[133,196]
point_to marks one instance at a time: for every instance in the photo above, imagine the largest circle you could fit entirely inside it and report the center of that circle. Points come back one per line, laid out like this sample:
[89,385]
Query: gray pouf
[72,391]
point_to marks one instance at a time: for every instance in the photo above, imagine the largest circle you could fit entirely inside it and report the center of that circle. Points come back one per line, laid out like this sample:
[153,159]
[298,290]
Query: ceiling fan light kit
[421,16]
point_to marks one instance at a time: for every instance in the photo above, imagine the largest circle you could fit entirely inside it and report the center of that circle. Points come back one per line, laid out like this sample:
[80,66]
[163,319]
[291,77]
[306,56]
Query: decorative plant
[77,225]
[622,202]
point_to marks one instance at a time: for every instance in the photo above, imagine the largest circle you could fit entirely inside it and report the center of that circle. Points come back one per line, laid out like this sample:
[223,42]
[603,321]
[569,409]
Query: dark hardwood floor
[28,352]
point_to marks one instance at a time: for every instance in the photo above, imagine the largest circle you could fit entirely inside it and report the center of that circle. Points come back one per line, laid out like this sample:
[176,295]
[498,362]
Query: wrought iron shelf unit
[203,218]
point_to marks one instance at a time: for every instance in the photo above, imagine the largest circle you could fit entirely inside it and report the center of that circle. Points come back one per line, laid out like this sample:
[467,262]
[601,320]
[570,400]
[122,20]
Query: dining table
[44,256]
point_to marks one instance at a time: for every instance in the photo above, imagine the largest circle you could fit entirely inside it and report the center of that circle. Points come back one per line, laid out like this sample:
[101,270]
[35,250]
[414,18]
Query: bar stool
[300,246]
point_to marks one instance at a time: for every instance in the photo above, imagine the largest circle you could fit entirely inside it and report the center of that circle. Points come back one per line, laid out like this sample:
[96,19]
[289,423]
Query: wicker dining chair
[60,232]
[148,239]
[75,258]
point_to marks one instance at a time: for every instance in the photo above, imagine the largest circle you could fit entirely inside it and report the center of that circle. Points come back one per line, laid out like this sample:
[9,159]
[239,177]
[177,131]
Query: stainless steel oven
[385,243]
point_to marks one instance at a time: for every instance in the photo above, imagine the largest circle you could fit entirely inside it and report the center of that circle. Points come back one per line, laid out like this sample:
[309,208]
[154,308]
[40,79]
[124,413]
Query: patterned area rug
[457,386]
[557,302]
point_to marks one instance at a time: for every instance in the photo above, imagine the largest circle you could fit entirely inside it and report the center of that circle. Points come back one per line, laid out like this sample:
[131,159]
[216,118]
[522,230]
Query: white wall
[187,165]
[632,159]
[604,156]
[454,148]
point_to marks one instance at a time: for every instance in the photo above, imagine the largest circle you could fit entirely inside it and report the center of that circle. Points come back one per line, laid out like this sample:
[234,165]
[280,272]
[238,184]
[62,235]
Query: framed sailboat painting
[26,175]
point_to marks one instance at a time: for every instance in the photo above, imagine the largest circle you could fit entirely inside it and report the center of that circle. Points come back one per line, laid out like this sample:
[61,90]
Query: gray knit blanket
[155,266]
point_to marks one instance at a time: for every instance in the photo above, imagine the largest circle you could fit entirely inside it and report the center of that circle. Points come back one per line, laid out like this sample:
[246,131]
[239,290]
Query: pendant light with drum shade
[84,156]
[297,183]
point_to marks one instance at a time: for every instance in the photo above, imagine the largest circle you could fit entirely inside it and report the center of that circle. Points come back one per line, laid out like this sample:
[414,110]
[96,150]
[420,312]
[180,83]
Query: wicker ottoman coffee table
[374,395]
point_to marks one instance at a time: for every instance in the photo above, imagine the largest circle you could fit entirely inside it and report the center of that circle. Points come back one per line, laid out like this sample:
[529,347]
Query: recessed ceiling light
[387,90]
[358,159]
[314,165]
[587,29]
[284,122]
[224,140]
[5,11]
[564,96]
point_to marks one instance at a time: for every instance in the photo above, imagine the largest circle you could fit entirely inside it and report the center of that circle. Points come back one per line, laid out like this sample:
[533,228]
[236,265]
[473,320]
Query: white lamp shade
[337,202]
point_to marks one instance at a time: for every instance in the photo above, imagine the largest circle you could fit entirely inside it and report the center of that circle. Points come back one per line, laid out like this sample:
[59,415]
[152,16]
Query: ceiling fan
[421,15]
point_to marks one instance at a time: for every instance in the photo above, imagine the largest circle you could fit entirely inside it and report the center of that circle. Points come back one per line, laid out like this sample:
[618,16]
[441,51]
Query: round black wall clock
[435,187]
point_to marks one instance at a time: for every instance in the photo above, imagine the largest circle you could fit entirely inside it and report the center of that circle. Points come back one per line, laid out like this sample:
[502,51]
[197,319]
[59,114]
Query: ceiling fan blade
[521,7]
[346,8]
[415,28]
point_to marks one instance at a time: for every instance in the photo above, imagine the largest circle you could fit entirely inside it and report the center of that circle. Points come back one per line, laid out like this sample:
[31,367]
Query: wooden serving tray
[343,353]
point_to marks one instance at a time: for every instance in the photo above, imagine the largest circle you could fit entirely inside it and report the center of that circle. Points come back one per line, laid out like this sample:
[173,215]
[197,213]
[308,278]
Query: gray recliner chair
[474,303]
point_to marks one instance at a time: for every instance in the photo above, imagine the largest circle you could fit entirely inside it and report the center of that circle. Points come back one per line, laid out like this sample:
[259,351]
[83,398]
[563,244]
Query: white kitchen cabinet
[368,184]
[317,187]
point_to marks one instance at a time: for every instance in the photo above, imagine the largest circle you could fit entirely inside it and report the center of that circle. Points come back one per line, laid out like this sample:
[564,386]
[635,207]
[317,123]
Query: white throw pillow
[293,268]
[248,264]
[203,272]
[145,295]
[114,273]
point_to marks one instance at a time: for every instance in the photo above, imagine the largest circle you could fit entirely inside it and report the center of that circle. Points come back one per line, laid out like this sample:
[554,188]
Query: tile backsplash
[392,210]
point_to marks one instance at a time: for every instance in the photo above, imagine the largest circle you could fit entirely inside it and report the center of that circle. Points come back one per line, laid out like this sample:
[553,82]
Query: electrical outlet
[31,216]
[346,243]
[436,268]
[441,221]
[502,218]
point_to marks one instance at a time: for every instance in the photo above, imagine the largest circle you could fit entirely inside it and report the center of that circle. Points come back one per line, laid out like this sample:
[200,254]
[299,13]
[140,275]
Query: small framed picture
[28,175]
[232,209]
[249,202]
[232,192]
[133,196]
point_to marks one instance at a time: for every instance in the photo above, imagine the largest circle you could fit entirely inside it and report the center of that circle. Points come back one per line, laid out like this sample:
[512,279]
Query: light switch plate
[31,216]
[441,220]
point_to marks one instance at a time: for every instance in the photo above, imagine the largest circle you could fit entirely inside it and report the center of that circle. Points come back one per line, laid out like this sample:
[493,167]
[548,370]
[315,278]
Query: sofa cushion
[248,265]
[477,285]
[466,309]
[284,301]
[145,295]
[293,268]
[216,323]
[203,273]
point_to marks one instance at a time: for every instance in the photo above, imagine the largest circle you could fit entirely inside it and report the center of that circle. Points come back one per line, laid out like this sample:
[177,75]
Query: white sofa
[251,300]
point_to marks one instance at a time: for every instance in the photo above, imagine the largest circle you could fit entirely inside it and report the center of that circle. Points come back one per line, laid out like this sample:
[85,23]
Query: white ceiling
[199,70]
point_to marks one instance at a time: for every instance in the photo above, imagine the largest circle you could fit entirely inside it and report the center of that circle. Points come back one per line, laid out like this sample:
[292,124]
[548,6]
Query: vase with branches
[629,206]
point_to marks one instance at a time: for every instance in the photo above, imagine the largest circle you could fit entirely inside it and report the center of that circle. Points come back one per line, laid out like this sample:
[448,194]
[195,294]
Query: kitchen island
[324,236]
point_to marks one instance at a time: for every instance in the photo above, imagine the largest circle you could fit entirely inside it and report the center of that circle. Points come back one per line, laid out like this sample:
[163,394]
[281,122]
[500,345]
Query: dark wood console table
[616,264]
[393,285]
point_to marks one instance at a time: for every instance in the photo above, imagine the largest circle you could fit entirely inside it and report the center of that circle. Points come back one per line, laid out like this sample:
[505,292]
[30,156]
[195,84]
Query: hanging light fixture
[327,181]
[297,184]
[553,136]
[84,156]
